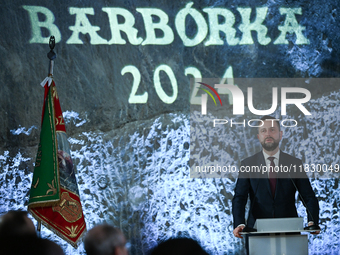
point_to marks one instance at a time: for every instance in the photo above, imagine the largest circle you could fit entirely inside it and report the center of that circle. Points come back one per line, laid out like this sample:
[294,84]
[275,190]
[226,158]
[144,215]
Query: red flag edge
[72,234]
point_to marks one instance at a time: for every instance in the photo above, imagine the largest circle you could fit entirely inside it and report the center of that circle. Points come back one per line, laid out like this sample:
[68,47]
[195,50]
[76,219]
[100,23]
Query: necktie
[272,175]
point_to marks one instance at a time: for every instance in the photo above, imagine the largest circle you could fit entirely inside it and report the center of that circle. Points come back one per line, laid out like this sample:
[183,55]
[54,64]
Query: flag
[54,195]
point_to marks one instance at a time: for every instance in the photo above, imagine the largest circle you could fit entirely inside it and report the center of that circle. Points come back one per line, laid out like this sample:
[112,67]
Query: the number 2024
[142,99]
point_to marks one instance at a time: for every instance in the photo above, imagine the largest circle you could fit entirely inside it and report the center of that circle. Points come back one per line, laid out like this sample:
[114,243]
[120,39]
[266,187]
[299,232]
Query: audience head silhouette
[18,236]
[179,246]
[16,223]
[105,240]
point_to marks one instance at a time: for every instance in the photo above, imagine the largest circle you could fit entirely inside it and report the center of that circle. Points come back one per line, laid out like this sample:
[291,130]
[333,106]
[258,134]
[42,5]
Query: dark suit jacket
[262,203]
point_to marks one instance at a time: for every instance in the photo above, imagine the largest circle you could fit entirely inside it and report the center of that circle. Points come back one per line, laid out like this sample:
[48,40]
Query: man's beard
[270,146]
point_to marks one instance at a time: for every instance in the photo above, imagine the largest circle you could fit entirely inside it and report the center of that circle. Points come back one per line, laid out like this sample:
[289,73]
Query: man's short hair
[103,240]
[268,117]
[16,223]
[179,246]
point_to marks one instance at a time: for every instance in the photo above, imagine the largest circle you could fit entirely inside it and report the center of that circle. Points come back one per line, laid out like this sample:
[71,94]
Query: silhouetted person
[18,237]
[29,245]
[105,240]
[179,246]
[48,247]
[16,223]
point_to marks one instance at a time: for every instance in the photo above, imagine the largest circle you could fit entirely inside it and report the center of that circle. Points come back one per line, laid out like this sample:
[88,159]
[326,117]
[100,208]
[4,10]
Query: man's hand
[237,231]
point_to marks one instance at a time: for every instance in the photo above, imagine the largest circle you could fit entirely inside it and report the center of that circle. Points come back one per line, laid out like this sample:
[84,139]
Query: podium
[278,236]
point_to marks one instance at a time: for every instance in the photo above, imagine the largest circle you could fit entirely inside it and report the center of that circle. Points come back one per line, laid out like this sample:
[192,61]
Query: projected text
[219,20]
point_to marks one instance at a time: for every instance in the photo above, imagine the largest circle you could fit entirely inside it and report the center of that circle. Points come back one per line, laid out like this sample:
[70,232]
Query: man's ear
[258,137]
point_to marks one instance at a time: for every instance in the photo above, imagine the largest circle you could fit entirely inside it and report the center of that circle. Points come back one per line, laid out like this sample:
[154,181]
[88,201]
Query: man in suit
[272,193]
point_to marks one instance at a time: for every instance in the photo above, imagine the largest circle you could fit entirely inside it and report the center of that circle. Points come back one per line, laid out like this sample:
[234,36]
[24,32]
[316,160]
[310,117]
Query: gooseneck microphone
[314,227]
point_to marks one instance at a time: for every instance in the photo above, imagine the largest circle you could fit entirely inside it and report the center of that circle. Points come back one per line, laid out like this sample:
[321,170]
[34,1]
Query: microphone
[314,227]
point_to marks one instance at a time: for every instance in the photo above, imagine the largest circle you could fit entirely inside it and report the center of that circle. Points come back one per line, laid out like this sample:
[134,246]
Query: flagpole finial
[51,55]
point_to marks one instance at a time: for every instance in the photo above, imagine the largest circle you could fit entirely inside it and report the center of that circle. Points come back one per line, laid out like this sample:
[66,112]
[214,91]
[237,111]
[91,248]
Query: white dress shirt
[276,159]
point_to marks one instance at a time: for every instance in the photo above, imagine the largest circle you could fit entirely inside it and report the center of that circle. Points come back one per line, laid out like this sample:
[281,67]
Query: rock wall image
[132,159]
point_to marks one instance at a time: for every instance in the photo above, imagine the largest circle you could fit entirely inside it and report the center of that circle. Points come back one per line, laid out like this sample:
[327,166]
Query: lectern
[278,236]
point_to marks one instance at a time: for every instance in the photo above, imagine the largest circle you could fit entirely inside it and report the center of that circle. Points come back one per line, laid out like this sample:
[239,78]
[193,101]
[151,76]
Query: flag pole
[39,229]
[51,55]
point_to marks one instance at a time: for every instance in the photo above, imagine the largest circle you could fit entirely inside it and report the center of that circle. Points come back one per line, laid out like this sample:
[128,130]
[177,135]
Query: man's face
[269,135]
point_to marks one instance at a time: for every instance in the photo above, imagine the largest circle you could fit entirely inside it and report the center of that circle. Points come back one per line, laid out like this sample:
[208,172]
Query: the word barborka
[213,25]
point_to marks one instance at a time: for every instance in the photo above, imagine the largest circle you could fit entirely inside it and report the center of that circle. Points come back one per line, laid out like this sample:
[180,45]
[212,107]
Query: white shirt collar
[276,155]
